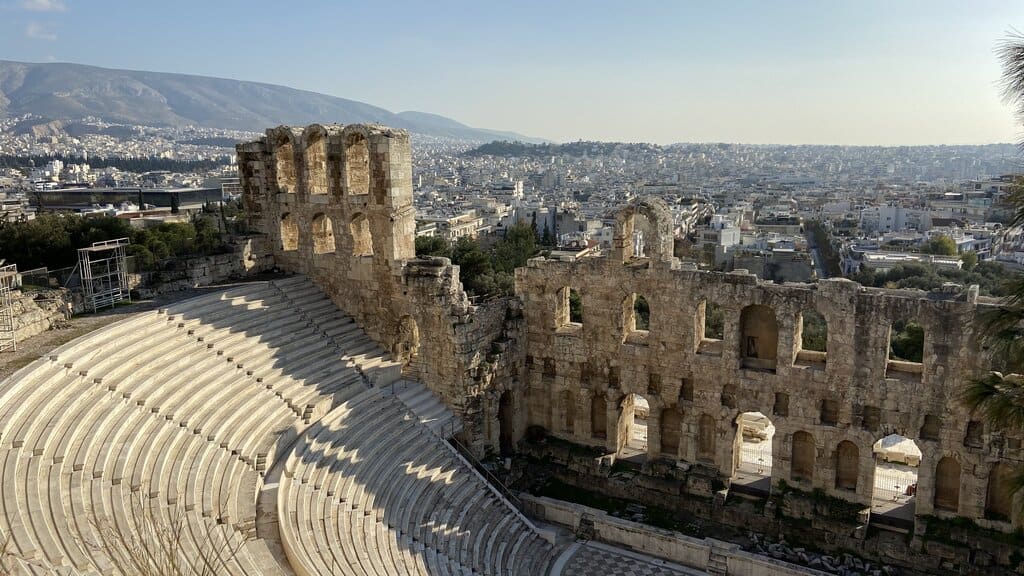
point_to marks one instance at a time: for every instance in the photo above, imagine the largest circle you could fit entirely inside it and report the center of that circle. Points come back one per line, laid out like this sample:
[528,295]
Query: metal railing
[491,478]
[756,459]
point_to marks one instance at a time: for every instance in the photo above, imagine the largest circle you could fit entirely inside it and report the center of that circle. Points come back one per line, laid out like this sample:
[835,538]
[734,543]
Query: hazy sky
[815,71]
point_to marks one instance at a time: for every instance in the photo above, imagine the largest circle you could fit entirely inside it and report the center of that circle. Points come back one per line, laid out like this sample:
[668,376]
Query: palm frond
[998,399]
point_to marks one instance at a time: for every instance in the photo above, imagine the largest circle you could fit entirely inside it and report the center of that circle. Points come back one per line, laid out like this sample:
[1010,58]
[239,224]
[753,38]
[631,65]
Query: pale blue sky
[815,71]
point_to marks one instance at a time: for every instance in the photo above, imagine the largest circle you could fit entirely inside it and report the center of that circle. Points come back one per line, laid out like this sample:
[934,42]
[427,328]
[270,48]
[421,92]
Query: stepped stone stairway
[171,420]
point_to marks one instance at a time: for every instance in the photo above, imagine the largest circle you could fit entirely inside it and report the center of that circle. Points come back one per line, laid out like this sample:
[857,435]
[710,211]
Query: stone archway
[657,241]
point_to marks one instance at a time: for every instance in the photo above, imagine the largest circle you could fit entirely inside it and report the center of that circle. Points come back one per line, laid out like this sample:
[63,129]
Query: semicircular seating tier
[158,432]
[170,419]
[367,491]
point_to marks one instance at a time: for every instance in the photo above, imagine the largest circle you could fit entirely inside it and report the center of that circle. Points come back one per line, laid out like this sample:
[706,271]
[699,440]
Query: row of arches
[895,460]
[318,171]
[323,235]
[759,331]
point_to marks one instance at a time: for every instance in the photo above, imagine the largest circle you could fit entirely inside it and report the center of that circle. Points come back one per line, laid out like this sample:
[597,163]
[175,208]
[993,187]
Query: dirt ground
[35,347]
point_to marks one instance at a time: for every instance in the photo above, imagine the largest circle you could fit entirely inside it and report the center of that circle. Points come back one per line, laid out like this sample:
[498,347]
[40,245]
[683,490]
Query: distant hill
[61,91]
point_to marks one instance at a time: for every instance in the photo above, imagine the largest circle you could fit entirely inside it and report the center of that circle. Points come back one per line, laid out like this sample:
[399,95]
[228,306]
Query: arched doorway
[752,453]
[999,493]
[897,461]
[632,427]
[506,417]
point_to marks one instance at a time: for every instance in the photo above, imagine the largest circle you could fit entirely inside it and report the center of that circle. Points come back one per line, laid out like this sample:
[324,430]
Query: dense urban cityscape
[734,206]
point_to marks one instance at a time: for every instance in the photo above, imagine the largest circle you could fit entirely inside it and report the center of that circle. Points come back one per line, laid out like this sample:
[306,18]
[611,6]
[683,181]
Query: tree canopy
[940,245]
[485,272]
[52,240]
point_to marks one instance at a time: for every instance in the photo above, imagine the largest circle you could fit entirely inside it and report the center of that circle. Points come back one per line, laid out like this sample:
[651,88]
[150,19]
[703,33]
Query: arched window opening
[323,234]
[930,428]
[284,166]
[829,412]
[781,405]
[759,340]
[289,233]
[706,438]
[671,431]
[686,390]
[947,485]
[575,307]
[643,236]
[641,314]
[710,328]
[357,165]
[569,312]
[362,242]
[999,493]
[906,350]
[897,460]
[802,460]
[636,318]
[847,465]
[632,427]
[973,435]
[752,453]
[316,164]
[813,338]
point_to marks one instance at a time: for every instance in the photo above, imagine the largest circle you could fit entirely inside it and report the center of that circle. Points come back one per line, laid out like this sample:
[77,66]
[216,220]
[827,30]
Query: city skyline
[797,73]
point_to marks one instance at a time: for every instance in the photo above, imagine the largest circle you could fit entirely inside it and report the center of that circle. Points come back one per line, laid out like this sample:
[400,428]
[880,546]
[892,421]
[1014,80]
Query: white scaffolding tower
[104,273]
[8,277]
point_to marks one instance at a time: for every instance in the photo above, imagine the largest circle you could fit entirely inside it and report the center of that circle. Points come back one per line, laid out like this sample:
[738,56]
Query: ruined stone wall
[335,203]
[828,408]
[35,312]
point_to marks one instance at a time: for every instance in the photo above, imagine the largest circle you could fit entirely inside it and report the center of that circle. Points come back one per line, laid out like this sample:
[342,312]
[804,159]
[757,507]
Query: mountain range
[61,91]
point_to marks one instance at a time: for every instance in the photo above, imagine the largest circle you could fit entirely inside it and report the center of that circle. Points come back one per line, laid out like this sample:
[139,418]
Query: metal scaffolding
[8,278]
[104,273]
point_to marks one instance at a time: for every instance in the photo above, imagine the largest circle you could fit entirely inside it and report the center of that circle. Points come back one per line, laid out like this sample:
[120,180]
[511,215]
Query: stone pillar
[924,502]
[612,421]
[654,429]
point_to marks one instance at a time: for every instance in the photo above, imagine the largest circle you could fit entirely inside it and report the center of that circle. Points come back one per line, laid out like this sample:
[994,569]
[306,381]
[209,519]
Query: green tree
[907,341]
[940,245]
[547,238]
[575,307]
[970,260]
[999,398]
[433,246]
[474,265]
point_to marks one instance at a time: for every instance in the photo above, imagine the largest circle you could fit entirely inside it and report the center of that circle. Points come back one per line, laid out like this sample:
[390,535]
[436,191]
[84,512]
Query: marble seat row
[370,490]
[177,412]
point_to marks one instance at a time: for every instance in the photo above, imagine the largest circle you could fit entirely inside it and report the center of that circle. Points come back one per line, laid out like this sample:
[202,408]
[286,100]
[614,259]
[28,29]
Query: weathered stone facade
[828,408]
[335,203]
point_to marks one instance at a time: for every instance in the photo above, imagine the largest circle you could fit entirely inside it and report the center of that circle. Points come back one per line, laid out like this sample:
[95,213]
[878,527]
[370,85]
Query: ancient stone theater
[357,413]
